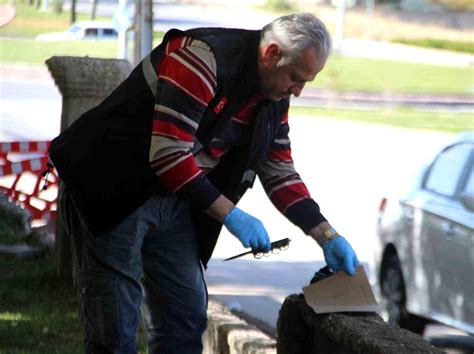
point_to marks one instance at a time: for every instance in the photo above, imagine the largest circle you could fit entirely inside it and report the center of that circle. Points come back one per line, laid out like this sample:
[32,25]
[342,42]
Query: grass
[38,313]
[451,122]
[371,75]
[458,46]
[34,53]
[7,236]
[30,22]
[340,74]
[31,52]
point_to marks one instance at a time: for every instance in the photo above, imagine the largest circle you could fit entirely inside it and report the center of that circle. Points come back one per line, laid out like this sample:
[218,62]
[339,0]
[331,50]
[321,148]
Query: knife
[280,244]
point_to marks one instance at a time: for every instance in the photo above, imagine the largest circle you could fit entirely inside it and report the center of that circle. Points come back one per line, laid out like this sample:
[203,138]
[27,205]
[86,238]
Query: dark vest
[103,157]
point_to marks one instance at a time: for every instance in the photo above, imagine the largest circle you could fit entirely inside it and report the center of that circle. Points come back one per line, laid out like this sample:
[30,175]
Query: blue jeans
[149,259]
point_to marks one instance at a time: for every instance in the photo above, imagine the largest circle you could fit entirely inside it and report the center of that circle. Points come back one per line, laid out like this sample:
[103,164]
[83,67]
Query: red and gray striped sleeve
[186,84]
[283,184]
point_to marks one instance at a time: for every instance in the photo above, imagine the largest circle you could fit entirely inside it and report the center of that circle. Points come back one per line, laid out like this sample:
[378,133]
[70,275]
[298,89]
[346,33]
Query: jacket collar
[251,76]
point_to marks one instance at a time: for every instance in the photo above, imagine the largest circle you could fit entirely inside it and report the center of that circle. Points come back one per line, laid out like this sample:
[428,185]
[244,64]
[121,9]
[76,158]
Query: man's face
[289,79]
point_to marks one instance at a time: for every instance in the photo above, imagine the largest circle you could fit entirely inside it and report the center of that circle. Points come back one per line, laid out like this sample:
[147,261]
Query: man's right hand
[248,229]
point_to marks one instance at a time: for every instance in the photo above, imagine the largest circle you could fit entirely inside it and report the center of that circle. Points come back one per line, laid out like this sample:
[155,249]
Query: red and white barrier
[22,164]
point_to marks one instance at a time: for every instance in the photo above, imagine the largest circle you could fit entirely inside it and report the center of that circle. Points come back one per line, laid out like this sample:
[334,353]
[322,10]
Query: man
[153,172]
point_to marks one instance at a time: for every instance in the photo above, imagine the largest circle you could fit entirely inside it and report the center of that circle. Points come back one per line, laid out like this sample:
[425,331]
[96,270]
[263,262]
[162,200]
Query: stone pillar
[83,82]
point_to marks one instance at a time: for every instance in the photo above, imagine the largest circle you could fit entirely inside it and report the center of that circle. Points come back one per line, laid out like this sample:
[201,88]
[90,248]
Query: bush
[57,6]
[279,5]
[455,5]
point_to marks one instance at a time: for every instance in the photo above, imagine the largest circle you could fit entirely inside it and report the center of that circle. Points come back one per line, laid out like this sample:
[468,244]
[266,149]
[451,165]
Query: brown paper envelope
[342,293]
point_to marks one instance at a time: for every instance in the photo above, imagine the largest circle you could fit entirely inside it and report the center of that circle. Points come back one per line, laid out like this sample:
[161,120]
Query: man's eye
[296,79]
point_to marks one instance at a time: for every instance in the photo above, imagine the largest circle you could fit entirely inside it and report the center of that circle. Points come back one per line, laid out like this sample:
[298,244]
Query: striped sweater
[187,80]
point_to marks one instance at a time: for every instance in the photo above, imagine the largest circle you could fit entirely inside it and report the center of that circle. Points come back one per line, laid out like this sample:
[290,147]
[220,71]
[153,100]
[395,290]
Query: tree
[58,6]
[94,9]
[73,11]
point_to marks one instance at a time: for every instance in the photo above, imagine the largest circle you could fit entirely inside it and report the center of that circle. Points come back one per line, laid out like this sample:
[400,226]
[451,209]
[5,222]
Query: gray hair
[295,33]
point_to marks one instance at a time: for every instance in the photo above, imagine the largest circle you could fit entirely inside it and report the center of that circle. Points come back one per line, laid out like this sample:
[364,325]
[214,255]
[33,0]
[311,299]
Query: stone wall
[301,331]
[229,334]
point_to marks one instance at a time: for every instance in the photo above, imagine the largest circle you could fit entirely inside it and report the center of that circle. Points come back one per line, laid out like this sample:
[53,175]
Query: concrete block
[229,334]
[301,331]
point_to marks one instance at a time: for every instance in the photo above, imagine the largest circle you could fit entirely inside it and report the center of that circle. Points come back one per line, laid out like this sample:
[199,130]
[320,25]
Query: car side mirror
[467,199]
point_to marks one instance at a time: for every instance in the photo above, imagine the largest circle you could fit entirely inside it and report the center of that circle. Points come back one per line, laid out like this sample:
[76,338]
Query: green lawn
[34,53]
[362,74]
[29,21]
[38,313]
[451,122]
[31,52]
[458,46]
[341,73]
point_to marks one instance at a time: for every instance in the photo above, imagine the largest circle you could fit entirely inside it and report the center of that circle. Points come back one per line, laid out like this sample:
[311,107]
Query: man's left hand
[339,255]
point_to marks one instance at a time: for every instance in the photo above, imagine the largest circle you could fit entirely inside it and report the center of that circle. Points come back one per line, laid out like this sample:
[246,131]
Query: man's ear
[271,55]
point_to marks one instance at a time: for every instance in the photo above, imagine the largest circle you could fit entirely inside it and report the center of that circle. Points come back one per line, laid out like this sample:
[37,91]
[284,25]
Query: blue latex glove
[248,229]
[339,255]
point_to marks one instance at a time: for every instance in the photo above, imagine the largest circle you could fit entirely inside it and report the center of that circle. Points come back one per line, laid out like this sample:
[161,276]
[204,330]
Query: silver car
[424,258]
[90,30]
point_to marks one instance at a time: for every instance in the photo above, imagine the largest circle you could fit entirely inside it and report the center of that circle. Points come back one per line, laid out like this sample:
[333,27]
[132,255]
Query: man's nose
[296,89]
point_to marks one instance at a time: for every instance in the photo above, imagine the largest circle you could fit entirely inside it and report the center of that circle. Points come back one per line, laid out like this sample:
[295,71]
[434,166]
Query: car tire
[394,298]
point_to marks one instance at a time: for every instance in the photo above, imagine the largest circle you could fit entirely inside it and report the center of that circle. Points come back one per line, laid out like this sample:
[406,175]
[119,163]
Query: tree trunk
[73,11]
[94,9]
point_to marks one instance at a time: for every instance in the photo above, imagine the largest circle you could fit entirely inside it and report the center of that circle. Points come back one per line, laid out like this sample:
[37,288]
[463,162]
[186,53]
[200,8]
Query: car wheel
[394,298]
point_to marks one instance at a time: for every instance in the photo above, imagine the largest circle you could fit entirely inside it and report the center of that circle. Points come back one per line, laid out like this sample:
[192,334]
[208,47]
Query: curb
[229,334]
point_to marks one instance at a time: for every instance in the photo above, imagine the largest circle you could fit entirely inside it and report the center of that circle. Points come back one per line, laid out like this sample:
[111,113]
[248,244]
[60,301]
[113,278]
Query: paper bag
[342,293]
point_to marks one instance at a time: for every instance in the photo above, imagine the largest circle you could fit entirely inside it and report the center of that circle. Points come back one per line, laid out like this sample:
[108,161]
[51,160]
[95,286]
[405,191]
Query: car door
[446,232]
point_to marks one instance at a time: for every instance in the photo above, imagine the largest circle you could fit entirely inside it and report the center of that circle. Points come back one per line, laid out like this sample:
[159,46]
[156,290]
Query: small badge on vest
[220,106]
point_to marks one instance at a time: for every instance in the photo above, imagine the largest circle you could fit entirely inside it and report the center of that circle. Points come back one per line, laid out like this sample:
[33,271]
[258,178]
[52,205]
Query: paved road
[347,167]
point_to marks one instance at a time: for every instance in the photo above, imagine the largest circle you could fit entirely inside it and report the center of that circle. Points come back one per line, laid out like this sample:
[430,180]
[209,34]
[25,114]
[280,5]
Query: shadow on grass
[38,313]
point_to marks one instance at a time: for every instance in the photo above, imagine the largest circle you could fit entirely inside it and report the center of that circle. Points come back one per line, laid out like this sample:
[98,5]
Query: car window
[91,32]
[444,174]
[469,187]
[110,32]
[74,28]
